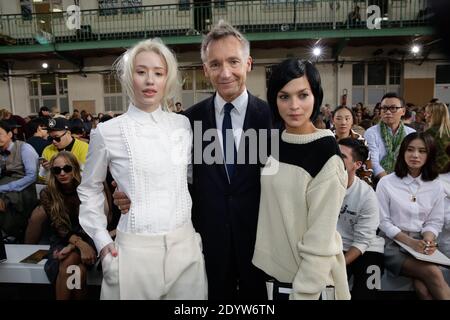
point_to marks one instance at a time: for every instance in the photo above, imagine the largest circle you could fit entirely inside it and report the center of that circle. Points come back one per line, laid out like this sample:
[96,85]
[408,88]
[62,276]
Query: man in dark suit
[226,204]
[226,193]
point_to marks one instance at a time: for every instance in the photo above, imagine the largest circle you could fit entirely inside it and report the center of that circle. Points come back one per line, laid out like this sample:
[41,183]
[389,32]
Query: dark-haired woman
[411,203]
[343,120]
[444,237]
[302,189]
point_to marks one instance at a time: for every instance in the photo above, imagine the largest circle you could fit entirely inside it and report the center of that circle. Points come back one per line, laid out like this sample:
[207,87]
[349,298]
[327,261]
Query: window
[220,4]
[376,73]
[443,73]
[48,90]
[26,9]
[114,97]
[358,74]
[395,71]
[108,7]
[196,86]
[184,5]
[131,6]
[370,81]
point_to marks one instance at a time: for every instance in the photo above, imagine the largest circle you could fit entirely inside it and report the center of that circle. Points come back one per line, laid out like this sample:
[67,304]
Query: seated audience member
[358,223]
[438,121]
[444,237]
[18,166]
[62,140]
[376,117]
[419,123]
[178,107]
[343,120]
[39,140]
[44,112]
[411,201]
[79,133]
[385,138]
[69,244]
[325,111]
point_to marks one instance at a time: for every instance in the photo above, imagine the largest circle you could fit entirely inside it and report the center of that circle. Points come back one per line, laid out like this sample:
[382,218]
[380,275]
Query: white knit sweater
[297,241]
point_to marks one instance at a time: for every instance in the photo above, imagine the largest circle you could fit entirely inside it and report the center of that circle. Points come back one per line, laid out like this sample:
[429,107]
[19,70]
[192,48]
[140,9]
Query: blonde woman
[437,118]
[156,254]
[70,245]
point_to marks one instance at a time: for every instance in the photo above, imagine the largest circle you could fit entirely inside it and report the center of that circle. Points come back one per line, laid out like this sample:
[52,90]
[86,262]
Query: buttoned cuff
[430,229]
[360,246]
[102,239]
[392,232]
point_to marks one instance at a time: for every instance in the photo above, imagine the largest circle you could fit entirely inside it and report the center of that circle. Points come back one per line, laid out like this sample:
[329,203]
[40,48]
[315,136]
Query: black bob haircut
[292,69]
[429,171]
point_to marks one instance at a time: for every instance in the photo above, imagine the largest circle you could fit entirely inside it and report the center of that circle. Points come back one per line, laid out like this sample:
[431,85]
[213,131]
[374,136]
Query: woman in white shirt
[411,203]
[444,237]
[157,253]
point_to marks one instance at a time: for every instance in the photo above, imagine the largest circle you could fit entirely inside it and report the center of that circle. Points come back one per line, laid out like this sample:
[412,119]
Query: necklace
[413,197]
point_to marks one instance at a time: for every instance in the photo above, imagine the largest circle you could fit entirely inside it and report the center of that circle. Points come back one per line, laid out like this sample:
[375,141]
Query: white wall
[10,7]
[328,77]
[344,82]
[90,88]
[256,82]
[21,101]
[414,71]
[4,95]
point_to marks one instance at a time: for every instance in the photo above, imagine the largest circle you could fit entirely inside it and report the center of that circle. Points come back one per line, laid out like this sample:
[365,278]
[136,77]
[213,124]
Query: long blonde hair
[439,117]
[58,214]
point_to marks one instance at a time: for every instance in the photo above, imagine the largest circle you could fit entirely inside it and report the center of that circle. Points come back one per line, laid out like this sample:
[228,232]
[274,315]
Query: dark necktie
[5,152]
[228,140]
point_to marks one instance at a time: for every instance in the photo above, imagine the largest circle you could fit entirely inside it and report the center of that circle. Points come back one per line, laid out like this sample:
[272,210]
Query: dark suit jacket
[226,214]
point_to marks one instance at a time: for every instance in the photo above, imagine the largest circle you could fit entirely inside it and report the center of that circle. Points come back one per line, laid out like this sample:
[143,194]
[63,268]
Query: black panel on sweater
[309,156]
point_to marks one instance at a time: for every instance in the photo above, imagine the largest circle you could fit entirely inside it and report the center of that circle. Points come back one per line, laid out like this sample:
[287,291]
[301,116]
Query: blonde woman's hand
[109,248]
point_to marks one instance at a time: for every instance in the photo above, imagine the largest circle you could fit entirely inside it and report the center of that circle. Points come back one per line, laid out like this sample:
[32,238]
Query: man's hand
[121,200]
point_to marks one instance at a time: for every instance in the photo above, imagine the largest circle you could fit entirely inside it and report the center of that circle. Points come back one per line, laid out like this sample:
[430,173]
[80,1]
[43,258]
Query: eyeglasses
[392,109]
[58,139]
[57,170]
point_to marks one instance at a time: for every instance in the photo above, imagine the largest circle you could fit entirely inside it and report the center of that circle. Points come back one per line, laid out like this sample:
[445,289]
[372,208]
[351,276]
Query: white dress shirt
[147,154]
[444,237]
[376,146]
[399,213]
[237,116]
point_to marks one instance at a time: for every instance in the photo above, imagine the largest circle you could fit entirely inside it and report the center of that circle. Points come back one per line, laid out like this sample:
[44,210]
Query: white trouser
[154,267]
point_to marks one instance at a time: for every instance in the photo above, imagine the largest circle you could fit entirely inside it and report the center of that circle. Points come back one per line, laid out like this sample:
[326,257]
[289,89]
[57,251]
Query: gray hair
[221,30]
[124,67]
